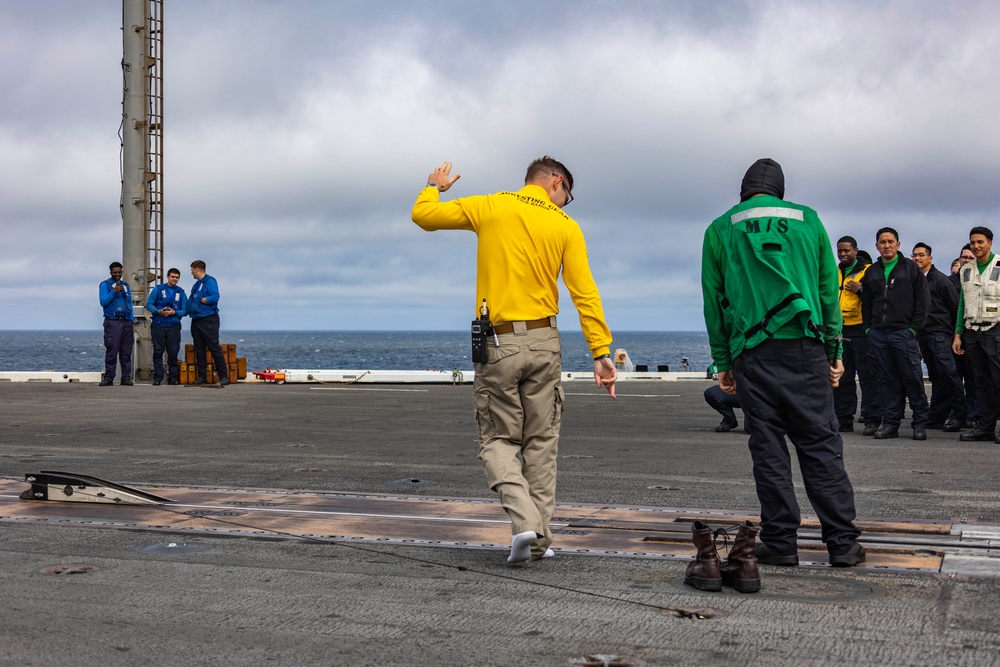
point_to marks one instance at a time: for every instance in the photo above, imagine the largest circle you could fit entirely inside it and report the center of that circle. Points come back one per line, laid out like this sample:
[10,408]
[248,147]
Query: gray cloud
[298,134]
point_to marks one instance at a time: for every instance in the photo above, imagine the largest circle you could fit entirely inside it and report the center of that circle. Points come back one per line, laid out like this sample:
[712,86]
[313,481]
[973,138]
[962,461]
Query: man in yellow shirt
[525,239]
[858,359]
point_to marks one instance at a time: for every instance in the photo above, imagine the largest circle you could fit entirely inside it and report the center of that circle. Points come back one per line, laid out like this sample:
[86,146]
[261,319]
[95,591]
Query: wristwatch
[434,185]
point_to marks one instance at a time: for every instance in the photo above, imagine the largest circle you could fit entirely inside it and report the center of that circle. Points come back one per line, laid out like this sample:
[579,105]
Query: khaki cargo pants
[519,407]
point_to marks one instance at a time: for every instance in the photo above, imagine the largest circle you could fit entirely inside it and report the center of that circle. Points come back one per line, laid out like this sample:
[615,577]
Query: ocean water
[355,350]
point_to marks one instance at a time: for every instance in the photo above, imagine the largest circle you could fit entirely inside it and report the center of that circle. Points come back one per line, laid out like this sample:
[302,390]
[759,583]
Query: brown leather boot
[703,572]
[739,570]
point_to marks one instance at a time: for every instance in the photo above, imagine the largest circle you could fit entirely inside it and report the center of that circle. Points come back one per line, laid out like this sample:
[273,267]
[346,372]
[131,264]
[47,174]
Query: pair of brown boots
[706,572]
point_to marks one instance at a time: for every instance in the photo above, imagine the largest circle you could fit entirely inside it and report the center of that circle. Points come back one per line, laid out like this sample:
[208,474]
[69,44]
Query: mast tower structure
[142,164]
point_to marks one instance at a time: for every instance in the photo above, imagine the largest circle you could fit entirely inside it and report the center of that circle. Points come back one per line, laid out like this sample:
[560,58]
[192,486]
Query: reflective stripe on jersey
[767,212]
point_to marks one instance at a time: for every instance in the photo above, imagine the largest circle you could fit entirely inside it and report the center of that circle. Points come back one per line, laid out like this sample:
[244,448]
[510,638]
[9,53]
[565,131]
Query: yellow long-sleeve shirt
[850,303]
[524,241]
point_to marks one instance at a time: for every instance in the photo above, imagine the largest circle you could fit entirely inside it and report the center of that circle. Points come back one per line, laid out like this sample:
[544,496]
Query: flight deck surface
[351,525]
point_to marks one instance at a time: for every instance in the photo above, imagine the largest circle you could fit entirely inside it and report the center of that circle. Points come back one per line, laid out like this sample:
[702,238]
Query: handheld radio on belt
[480,334]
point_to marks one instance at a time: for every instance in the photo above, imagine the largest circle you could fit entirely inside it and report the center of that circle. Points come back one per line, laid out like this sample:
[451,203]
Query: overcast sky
[298,133]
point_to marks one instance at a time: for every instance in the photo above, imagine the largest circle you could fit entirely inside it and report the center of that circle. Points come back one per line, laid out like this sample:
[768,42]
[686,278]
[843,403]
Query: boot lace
[723,535]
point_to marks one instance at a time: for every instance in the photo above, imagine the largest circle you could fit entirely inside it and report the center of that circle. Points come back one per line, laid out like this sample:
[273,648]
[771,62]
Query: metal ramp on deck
[72,487]
[931,547]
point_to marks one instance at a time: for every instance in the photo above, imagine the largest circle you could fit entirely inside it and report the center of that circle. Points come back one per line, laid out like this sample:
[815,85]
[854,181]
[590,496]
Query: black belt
[791,343]
[508,327]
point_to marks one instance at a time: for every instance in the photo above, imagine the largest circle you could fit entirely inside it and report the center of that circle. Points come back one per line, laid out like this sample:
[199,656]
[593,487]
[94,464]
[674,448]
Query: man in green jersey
[770,285]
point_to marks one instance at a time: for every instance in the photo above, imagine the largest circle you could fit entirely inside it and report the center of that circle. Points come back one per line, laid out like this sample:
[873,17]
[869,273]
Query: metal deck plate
[624,531]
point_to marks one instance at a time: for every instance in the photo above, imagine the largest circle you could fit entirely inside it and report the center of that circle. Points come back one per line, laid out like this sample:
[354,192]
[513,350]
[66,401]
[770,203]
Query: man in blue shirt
[119,336]
[203,307]
[168,304]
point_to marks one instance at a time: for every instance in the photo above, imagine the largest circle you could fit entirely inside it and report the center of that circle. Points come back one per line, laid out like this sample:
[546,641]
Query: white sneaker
[520,546]
[549,553]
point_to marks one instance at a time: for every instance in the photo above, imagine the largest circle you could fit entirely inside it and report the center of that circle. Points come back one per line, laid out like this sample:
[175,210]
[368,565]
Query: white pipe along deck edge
[298,375]
[320,376]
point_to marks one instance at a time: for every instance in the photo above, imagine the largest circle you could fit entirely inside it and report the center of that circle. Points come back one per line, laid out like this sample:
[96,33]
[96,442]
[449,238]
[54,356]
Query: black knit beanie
[764,177]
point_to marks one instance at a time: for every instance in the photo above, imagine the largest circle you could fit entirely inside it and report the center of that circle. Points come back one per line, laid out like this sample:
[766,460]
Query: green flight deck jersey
[768,271]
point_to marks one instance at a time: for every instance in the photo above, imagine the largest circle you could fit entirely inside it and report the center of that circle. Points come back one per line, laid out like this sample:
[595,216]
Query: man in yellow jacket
[524,240]
[857,355]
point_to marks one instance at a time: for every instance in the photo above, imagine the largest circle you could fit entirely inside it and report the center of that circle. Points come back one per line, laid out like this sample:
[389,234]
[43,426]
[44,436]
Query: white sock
[520,546]
[549,553]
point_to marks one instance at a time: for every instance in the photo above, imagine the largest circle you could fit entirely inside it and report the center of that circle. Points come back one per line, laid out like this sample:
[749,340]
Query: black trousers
[119,337]
[205,332]
[899,376]
[968,375]
[166,339]
[725,404]
[982,350]
[784,388]
[858,361]
[947,393]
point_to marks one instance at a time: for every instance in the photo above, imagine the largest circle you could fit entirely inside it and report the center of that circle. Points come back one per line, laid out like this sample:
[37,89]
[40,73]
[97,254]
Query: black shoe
[919,434]
[952,426]
[173,381]
[768,557]
[200,381]
[853,556]
[935,425]
[725,426]
[223,381]
[870,429]
[126,383]
[977,435]
[969,424]
[156,383]
[885,433]
[106,383]
[846,428]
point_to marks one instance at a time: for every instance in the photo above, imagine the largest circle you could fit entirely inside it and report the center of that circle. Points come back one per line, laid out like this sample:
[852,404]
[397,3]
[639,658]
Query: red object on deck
[271,375]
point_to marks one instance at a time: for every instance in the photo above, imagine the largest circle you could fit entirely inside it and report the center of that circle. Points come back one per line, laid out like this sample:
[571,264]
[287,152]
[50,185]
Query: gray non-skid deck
[223,594]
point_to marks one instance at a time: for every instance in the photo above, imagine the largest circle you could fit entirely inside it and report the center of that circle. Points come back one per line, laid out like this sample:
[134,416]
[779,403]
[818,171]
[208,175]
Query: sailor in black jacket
[965,370]
[894,298]
[947,409]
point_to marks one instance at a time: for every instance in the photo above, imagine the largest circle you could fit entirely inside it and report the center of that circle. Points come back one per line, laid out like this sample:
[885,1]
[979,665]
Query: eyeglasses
[569,195]
[918,255]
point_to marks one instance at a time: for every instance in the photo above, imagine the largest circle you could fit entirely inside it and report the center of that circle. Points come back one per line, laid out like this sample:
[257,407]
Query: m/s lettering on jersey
[766,218]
